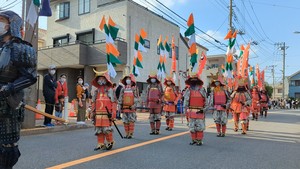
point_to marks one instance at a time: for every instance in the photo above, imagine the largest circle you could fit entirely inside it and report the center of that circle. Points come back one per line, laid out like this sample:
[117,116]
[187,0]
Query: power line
[186,21]
[183,25]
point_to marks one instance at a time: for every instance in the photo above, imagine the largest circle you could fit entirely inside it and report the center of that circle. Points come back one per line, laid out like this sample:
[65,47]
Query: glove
[224,106]
[6,91]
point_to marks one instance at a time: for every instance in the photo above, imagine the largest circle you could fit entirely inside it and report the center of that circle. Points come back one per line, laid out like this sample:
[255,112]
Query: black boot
[110,145]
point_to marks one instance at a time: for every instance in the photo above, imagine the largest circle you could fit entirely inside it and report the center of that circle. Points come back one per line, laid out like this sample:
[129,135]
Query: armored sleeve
[24,58]
[186,99]
[203,93]
[111,94]
[248,99]
[136,95]
[211,99]
[121,93]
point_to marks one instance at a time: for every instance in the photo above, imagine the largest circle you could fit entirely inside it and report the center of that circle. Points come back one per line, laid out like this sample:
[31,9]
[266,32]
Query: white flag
[32,15]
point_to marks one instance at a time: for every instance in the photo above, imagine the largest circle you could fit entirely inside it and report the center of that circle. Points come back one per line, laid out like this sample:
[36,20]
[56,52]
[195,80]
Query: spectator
[62,87]
[87,94]
[81,101]
[118,90]
[59,106]
[49,88]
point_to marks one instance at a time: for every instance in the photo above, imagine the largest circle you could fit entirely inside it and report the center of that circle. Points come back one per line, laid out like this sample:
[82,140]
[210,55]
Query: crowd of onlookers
[284,104]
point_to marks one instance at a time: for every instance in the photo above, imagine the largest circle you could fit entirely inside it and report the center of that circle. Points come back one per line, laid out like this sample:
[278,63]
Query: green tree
[269,90]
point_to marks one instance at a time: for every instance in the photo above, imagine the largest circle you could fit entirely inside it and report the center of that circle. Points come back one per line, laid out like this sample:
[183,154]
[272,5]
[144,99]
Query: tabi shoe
[193,142]
[167,128]
[219,135]
[110,145]
[170,129]
[152,133]
[235,130]
[223,135]
[157,132]
[126,137]
[244,133]
[199,142]
[99,146]
[129,136]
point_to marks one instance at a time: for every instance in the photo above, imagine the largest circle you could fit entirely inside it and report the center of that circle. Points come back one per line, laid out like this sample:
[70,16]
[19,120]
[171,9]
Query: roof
[294,74]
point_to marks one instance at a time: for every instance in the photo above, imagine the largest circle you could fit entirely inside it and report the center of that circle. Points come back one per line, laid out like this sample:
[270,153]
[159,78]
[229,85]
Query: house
[76,46]
[294,85]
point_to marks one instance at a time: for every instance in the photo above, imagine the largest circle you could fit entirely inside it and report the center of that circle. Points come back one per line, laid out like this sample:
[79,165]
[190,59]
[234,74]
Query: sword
[113,122]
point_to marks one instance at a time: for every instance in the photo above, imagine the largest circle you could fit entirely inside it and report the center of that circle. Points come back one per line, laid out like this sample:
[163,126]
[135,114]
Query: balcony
[78,54]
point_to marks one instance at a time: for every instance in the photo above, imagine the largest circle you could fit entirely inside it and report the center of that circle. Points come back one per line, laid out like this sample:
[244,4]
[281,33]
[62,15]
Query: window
[60,41]
[147,43]
[279,90]
[86,37]
[297,95]
[64,10]
[297,82]
[293,83]
[83,6]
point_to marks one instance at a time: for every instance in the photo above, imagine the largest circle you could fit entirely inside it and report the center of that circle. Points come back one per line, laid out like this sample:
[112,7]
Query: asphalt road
[271,143]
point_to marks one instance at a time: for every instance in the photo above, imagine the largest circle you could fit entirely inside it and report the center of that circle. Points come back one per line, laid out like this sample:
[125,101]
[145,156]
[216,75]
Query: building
[278,89]
[76,45]
[42,35]
[294,85]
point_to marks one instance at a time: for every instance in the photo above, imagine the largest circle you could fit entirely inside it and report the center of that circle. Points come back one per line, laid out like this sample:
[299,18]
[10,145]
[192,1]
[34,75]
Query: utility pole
[283,48]
[273,70]
[230,15]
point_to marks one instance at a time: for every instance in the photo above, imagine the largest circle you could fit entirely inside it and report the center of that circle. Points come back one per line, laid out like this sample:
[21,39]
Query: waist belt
[101,114]
[10,145]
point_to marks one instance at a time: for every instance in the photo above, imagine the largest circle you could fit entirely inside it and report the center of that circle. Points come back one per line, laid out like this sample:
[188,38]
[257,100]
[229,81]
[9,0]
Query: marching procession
[236,91]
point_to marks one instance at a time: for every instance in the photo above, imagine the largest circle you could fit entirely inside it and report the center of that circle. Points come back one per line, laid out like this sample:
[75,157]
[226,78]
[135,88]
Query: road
[271,143]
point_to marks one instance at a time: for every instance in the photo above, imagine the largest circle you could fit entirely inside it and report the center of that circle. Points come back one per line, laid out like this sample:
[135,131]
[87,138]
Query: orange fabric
[199,135]
[193,114]
[234,34]
[202,64]
[110,48]
[102,23]
[109,137]
[219,97]
[224,129]
[131,128]
[100,138]
[171,123]
[143,33]
[173,68]
[229,35]
[193,48]
[159,40]
[111,22]
[126,127]
[61,89]
[236,103]
[137,38]
[139,56]
[218,126]
[169,94]
[79,91]
[196,99]
[190,20]
[128,98]
[193,135]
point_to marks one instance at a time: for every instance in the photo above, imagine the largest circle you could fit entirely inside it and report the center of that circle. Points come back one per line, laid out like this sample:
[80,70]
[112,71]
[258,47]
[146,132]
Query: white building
[76,45]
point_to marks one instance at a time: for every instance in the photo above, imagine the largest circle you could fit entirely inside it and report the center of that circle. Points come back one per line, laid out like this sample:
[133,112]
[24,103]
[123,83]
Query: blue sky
[263,21]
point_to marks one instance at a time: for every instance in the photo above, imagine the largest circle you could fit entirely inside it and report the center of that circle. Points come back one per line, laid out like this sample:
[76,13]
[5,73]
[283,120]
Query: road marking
[108,153]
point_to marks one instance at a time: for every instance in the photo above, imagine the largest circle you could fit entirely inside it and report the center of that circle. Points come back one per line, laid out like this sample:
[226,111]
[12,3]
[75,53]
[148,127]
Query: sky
[264,23]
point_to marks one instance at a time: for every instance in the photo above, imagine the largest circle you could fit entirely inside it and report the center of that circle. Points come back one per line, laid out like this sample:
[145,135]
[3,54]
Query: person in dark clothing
[49,88]
[17,72]
[118,90]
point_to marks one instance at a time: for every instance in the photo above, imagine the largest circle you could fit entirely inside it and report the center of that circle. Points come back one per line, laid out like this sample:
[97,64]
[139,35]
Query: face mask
[169,83]
[217,83]
[2,28]
[128,82]
[153,80]
[80,82]
[62,80]
[101,82]
[52,72]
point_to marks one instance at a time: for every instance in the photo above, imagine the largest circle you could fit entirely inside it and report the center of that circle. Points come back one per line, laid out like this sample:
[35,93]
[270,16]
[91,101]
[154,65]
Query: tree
[269,90]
